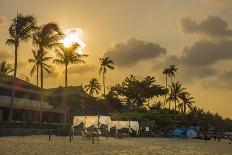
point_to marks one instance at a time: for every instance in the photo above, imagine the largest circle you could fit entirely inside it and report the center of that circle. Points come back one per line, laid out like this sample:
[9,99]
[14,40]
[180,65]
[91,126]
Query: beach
[61,145]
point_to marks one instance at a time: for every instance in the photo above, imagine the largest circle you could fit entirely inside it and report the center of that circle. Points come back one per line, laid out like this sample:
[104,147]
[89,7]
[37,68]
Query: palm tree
[36,61]
[166,72]
[106,63]
[172,71]
[66,56]
[176,91]
[20,30]
[46,37]
[93,87]
[5,68]
[187,102]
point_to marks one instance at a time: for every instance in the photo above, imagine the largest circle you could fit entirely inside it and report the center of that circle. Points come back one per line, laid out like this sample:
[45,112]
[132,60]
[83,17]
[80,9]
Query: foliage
[137,92]
[6,68]
[93,87]
[105,63]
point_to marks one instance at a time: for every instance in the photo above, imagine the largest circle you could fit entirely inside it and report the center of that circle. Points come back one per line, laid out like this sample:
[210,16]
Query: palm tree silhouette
[36,61]
[66,56]
[166,72]
[20,30]
[187,102]
[6,68]
[93,87]
[172,71]
[176,91]
[106,63]
[46,37]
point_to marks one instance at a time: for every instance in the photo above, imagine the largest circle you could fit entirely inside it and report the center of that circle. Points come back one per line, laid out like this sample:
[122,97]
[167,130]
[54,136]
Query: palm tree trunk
[165,96]
[65,97]
[184,108]
[14,82]
[66,75]
[37,75]
[41,97]
[175,104]
[104,84]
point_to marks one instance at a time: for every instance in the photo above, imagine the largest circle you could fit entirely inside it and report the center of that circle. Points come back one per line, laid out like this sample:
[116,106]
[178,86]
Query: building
[27,103]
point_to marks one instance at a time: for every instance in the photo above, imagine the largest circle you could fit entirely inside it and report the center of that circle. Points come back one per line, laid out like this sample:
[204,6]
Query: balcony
[23,102]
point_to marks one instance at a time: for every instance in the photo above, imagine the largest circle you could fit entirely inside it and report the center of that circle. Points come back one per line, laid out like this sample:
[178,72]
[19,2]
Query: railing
[23,101]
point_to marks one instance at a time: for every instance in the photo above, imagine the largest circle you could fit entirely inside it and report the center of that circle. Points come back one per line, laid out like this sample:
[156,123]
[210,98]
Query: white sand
[61,145]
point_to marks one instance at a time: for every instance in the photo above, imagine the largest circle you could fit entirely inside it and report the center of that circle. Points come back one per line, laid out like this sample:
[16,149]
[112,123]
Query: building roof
[69,91]
[6,81]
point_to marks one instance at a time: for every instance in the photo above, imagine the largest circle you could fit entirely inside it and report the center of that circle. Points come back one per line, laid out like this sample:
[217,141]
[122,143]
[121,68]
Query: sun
[74,35]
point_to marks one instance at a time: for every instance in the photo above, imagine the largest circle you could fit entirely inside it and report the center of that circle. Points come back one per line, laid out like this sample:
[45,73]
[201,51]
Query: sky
[142,37]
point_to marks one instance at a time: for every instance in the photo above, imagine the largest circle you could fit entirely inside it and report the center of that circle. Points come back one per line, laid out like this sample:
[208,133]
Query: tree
[66,56]
[36,61]
[187,102]
[106,63]
[93,87]
[20,30]
[45,38]
[166,72]
[172,71]
[137,92]
[169,72]
[5,68]
[176,91]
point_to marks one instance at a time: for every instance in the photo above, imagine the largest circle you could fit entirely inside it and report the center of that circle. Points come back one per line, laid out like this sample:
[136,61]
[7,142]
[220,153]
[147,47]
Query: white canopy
[89,121]
[92,121]
[126,124]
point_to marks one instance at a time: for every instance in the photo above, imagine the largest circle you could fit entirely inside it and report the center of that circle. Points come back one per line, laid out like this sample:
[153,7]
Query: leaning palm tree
[6,68]
[187,102]
[106,63]
[20,31]
[45,38]
[36,61]
[67,56]
[93,87]
[176,91]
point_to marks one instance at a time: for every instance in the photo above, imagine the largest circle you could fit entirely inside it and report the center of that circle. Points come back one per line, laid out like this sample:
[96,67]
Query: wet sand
[134,146]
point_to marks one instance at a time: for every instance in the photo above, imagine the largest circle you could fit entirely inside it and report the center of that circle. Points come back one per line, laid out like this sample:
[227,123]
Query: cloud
[4,55]
[201,62]
[133,51]
[81,69]
[205,53]
[211,26]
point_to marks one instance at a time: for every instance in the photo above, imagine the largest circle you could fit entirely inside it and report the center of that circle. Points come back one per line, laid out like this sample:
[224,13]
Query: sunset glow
[74,35]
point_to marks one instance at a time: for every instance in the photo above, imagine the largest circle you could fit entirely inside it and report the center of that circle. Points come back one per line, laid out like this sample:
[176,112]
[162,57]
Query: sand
[133,146]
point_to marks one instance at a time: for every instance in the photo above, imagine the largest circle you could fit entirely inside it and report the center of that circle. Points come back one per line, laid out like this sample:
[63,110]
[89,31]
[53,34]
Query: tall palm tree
[36,61]
[5,68]
[20,30]
[176,91]
[106,63]
[45,38]
[66,56]
[172,71]
[187,102]
[166,72]
[93,87]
